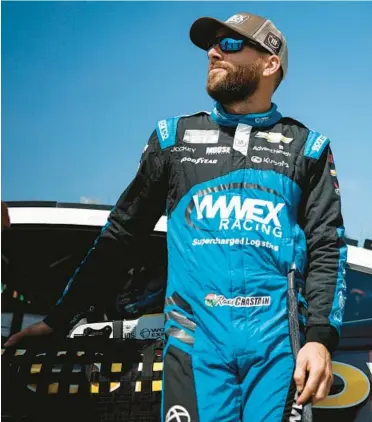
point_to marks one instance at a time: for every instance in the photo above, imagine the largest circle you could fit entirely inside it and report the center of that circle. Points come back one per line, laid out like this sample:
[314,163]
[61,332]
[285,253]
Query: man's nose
[215,53]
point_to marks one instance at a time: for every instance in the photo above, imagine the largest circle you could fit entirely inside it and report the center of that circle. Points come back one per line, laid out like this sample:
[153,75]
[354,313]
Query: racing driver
[249,195]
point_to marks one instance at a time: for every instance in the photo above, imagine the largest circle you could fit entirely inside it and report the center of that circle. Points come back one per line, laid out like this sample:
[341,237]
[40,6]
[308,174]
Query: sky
[84,83]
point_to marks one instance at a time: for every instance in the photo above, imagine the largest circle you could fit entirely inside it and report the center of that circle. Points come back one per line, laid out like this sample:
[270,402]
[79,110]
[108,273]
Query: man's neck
[252,105]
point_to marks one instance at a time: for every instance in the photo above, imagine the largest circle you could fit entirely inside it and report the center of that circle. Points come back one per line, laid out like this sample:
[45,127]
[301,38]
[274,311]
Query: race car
[110,366]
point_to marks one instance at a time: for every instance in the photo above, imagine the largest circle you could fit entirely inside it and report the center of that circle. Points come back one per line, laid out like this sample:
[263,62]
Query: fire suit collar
[222,118]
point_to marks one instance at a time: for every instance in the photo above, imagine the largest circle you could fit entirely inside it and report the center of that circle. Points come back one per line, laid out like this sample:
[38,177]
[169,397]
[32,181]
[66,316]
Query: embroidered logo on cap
[237,19]
[273,42]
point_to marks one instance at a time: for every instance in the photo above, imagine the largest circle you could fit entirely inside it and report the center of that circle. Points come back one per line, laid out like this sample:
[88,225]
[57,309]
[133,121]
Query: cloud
[86,200]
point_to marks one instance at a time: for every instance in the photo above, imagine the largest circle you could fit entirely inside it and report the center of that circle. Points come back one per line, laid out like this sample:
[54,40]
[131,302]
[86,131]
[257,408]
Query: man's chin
[225,95]
[216,94]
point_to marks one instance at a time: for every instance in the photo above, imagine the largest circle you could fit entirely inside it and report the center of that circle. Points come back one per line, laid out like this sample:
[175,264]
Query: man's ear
[271,65]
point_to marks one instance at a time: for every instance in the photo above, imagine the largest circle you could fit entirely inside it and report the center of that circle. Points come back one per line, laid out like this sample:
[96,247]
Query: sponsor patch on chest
[193,136]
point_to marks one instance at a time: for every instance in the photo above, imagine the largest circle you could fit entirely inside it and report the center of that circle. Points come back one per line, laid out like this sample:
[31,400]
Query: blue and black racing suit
[247,199]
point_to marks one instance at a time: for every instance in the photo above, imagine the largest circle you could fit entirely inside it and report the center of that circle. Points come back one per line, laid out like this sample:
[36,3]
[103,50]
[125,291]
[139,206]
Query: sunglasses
[233,45]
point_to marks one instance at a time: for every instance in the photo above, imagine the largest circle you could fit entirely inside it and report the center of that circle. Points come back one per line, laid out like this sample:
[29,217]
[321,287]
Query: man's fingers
[323,389]
[313,359]
[37,329]
[17,337]
[14,339]
[310,387]
[300,375]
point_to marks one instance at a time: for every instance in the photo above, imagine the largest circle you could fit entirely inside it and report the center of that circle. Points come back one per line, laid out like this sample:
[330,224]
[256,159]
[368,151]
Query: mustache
[218,65]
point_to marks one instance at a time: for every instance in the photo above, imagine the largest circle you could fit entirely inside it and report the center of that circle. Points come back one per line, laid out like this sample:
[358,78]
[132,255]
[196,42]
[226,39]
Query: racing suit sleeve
[322,221]
[130,221]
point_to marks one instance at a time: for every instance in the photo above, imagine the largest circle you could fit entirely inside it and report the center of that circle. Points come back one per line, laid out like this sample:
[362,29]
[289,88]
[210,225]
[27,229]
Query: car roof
[62,213]
[359,258]
[58,213]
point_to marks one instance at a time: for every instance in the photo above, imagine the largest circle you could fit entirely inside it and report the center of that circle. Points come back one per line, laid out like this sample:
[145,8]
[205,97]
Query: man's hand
[37,329]
[313,360]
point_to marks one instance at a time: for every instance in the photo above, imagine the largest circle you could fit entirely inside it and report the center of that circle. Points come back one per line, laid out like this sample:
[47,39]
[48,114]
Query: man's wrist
[324,334]
[59,322]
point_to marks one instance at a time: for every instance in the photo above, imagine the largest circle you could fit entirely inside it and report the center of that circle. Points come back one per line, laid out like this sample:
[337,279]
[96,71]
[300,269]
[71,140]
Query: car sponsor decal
[356,388]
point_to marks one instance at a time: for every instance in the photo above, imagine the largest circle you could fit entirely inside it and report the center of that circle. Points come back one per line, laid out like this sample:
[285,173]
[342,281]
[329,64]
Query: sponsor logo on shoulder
[213,300]
[218,150]
[256,159]
[192,136]
[163,129]
[274,137]
[319,143]
[200,160]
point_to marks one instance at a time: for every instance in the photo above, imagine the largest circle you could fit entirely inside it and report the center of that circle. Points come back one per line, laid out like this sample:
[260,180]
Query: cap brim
[204,29]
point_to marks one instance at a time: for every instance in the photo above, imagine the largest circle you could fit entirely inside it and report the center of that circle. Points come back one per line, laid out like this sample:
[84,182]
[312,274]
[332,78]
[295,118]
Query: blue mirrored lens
[227,44]
[230,44]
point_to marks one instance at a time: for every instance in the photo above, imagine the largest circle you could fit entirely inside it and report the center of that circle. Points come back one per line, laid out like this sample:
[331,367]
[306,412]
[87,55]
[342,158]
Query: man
[249,195]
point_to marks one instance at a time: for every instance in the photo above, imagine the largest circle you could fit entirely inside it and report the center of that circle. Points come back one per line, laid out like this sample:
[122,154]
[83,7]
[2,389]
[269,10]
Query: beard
[236,85]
